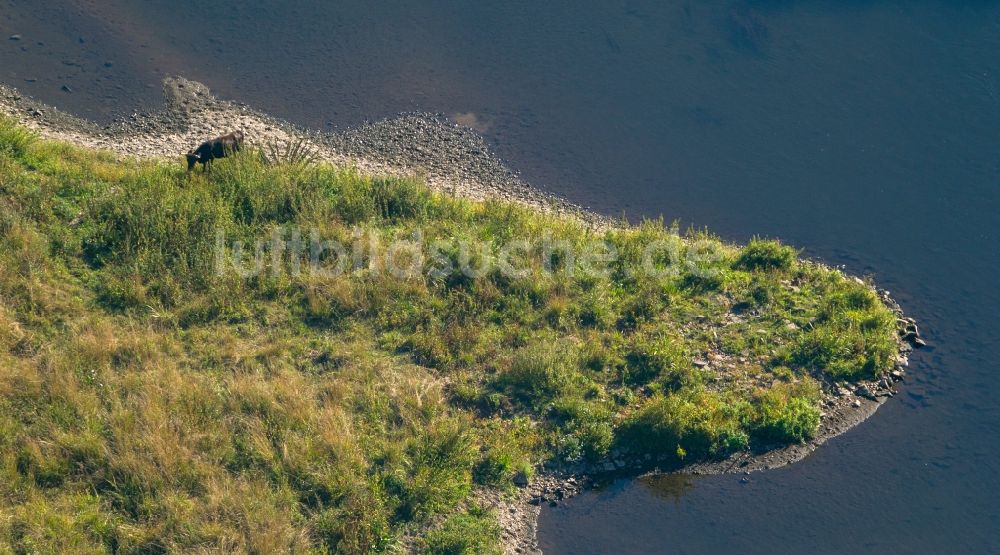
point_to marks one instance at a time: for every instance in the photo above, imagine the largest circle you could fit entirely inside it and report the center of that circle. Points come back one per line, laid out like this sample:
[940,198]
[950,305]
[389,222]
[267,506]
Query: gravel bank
[452,158]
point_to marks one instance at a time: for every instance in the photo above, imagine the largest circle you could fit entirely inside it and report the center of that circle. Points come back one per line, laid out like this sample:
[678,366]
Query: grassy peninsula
[156,396]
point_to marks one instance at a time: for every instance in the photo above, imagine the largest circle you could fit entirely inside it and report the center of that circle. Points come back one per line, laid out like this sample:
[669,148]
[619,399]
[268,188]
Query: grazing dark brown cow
[219,147]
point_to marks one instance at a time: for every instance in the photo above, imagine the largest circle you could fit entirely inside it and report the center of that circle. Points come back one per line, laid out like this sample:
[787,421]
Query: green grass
[151,403]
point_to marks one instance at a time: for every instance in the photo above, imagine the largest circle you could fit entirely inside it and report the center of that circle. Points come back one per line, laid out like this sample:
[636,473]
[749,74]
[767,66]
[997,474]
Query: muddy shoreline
[455,160]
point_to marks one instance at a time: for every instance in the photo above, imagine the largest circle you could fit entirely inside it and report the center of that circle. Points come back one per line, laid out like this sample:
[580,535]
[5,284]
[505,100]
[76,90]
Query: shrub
[765,255]
[586,426]
[540,372]
[158,228]
[786,413]
[437,472]
[698,424]
[471,533]
[508,451]
[852,338]
[15,139]
[397,199]
[360,525]
[657,357]
[296,152]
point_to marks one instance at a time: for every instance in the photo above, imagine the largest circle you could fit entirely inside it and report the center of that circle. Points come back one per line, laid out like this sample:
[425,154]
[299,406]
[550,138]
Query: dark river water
[867,132]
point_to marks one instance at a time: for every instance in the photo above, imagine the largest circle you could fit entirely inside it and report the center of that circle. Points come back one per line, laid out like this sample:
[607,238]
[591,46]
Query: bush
[658,358]
[786,414]
[586,426]
[361,525]
[761,254]
[508,451]
[853,337]
[397,199]
[437,472]
[540,372]
[158,228]
[691,425]
[15,139]
[473,533]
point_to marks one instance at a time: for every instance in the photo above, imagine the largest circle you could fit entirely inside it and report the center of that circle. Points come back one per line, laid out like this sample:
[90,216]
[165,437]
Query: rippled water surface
[866,131]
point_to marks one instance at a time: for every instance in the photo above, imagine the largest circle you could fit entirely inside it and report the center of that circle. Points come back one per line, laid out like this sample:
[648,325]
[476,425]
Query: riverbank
[457,162]
[451,158]
[844,405]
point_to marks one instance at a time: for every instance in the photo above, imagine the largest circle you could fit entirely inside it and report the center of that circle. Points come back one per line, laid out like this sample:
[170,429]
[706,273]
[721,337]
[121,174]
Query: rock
[535,500]
[520,479]
[66,88]
[918,342]
[699,363]
[865,391]
[896,375]
[15,37]
[856,404]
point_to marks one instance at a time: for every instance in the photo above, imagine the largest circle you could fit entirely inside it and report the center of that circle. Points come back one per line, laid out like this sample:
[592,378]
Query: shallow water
[866,131]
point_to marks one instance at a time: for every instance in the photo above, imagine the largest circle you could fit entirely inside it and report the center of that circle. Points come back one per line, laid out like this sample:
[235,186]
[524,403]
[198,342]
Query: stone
[15,37]
[856,404]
